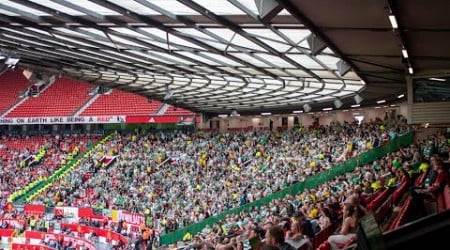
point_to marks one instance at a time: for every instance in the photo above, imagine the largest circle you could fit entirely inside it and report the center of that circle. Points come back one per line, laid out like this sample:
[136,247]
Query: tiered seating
[384,201]
[420,179]
[406,210]
[320,239]
[5,154]
[444,199]
[382,212]
[63,98]
[121,103]
[404,214]
[380,199]
[15,144]
[57,149]
[373,196]
[398,193]
[80,141]
[177,111]
[11,84]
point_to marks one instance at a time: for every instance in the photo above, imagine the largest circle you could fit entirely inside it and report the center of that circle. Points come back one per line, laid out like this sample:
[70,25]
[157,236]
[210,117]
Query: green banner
[309,183]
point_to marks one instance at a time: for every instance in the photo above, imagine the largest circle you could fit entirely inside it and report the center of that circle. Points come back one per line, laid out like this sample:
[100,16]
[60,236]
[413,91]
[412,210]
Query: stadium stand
[12,83]
[13,146]
[121,103]
[22,157]
[63,98]
[257,165]
[177,111]
[311,202]
[137,167]
[301,139]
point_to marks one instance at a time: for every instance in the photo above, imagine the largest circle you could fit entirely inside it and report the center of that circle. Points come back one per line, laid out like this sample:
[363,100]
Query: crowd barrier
[20,246]
[103,235]
[34,239]
[309,183]
[5,235]
[73,214]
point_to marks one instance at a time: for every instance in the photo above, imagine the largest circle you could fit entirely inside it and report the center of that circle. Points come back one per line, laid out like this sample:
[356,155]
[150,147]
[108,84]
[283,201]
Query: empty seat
[63,98]
[177,111]
[12,83]
[121,103]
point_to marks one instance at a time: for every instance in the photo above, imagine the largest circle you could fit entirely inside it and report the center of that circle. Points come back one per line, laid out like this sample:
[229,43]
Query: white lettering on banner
[64,120]
[135,219]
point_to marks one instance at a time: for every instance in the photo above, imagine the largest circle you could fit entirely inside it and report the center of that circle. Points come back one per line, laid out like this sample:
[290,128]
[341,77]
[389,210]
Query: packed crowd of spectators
[294,221]
[67,190]
[20,157]
[184,178]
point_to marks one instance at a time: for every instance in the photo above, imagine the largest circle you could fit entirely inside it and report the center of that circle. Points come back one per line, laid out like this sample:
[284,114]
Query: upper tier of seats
[11,84]
[121,103]
[14,144]
[66,96]
[177,111]
[63,98]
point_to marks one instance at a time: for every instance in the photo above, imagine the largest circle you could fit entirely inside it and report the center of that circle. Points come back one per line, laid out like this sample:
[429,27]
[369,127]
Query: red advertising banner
[159,119]
[6,232]
[110,235]
[34,209]
[18,246]
[131,218]
[77,241]
[85,212]
[89,213]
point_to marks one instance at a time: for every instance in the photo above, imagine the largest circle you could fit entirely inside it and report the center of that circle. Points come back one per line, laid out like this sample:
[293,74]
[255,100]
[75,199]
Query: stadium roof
[219,56]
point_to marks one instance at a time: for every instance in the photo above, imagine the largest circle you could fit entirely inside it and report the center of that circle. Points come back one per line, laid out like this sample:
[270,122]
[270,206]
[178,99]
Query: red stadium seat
[11,84]
[177,111]
[121,103]
[63,98]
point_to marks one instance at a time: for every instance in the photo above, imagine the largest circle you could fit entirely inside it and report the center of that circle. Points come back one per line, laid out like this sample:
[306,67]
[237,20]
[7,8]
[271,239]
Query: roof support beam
[240,31]
[88,50]
[21,12]
[89,23]
[377,64]
[161,26]
[268,9]
[79,8]
[289,6]
[290,42]
[106,29]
